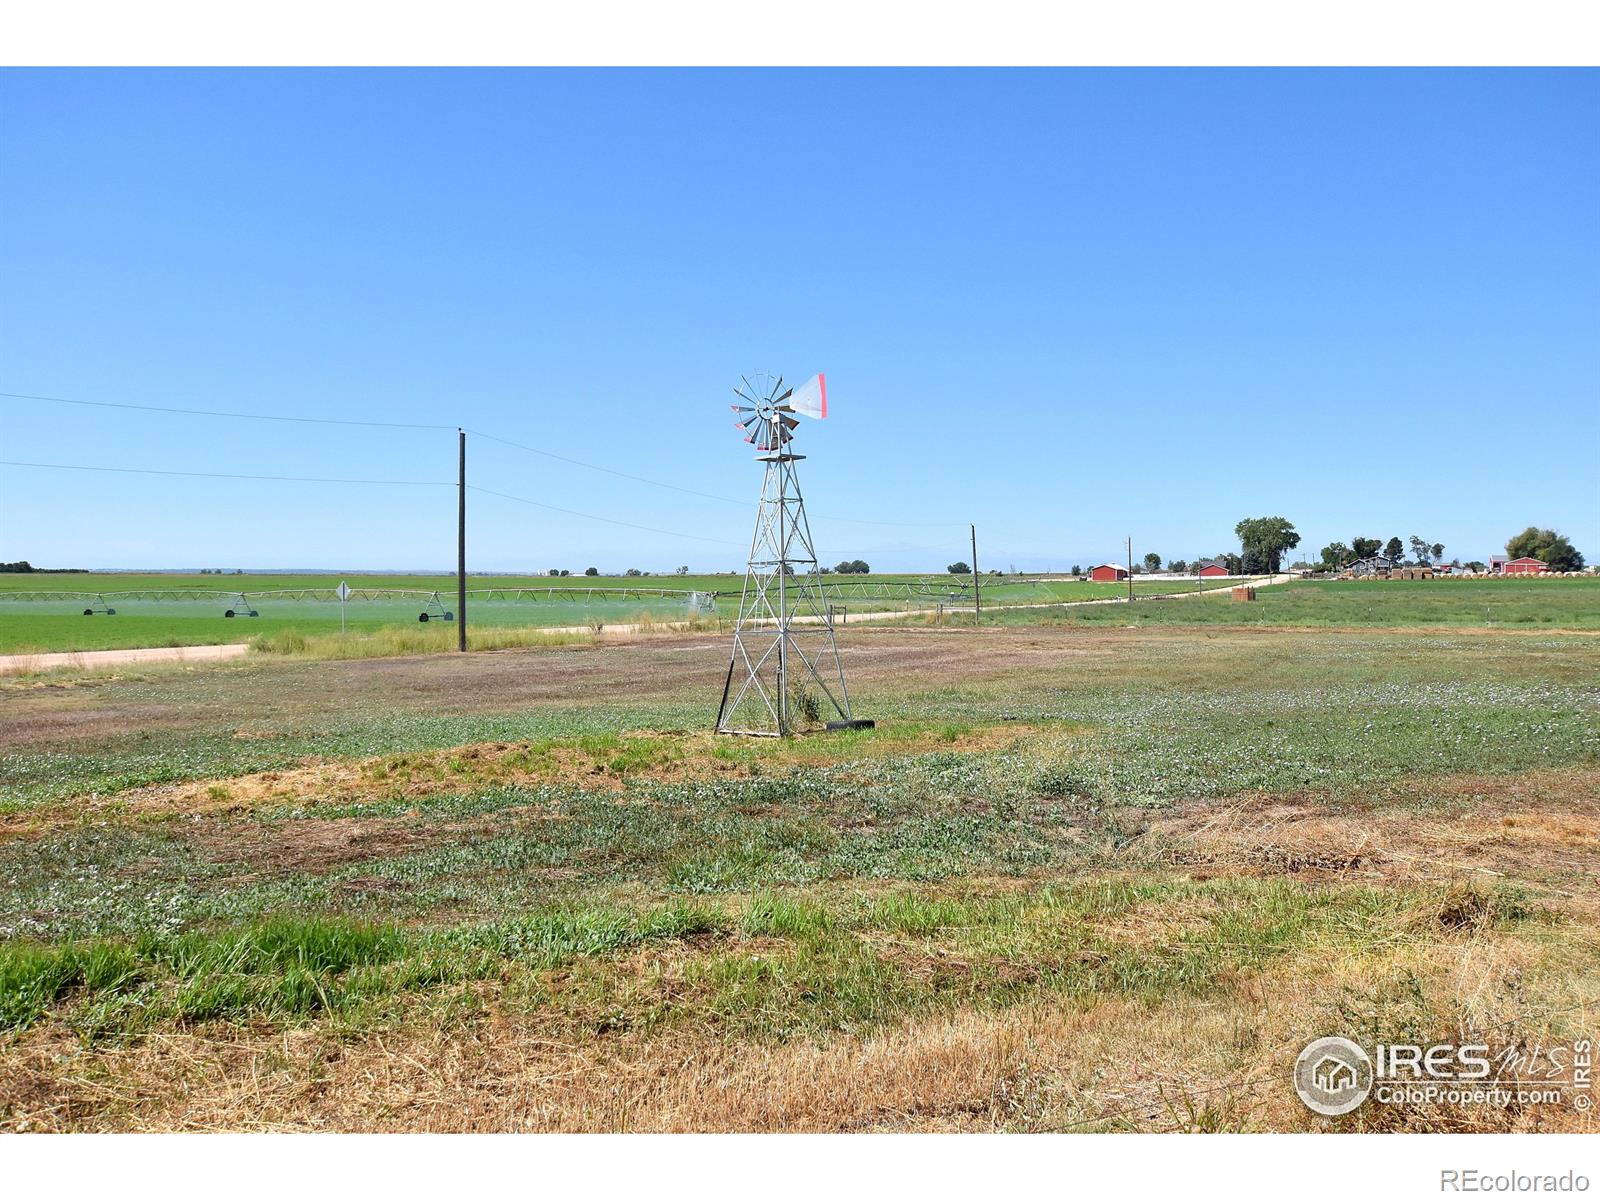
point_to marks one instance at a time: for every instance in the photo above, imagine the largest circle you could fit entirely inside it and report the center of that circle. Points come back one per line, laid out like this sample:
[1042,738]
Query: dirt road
[17,664]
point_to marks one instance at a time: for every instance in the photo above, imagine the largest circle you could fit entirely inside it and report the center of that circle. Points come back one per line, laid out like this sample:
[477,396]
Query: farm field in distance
[160,616]
[1529,602]
[1082,876]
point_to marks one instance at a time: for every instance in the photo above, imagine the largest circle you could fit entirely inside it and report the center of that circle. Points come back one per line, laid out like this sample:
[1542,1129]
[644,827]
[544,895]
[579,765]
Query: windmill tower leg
[784,674]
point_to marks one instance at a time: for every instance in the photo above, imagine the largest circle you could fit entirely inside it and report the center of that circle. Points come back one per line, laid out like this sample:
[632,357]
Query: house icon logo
[1333,1076]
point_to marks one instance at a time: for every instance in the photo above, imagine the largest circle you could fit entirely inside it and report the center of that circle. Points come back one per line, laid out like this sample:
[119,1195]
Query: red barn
[1212,571]
[1525,566]
[1108,573]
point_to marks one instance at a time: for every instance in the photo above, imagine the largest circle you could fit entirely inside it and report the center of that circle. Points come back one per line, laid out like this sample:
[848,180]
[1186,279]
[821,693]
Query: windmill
[784,675]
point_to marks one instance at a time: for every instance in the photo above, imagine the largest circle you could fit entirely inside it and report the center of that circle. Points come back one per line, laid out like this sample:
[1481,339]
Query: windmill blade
[810,399]
[789,423]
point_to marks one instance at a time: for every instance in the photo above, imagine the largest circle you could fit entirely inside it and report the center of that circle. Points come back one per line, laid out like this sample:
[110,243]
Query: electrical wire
[577,462]
[571,512]
[592,517]
[224,475]
[241,416]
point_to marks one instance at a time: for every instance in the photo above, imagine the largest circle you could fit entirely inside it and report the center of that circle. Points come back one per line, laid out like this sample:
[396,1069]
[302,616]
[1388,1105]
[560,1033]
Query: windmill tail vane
[784,673]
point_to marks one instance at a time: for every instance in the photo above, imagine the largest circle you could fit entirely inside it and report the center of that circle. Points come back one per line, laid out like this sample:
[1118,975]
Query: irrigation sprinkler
[99,605]
[243,609]
[436,611]
[779,623]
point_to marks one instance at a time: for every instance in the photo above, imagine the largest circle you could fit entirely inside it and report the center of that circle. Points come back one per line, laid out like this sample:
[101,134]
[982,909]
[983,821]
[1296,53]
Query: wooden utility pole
[1130,570]
[461,544]
[977,591]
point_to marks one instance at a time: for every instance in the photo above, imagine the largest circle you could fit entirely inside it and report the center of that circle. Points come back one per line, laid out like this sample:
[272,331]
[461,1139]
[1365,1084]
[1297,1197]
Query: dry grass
[1190,1064]
[1540,829]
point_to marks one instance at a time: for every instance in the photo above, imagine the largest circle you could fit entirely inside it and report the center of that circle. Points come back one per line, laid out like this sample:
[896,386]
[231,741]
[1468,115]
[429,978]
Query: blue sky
[1068,306]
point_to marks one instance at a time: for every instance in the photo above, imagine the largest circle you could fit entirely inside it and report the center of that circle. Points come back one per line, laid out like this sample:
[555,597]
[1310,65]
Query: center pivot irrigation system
[784,675]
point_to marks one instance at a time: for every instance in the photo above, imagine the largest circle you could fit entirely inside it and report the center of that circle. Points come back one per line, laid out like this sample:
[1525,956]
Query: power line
[223,475]
[577,462]
[471,487]
[571,512]
[207,412]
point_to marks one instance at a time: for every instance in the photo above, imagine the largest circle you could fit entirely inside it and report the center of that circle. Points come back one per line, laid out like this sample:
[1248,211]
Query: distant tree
[1475,565]
[1394,549]
[1336,556]
[853,566]
[22,567]
[633,572]
[1234,563]
[959,568]
[824,570]
[1152,562]
[565,572]
[1438,550]
[1550,547]
[1178,566]
[683,570]
[1365,547]
[555,570]
[1421,551]
[1263,541]
[591,571]
[1076,569]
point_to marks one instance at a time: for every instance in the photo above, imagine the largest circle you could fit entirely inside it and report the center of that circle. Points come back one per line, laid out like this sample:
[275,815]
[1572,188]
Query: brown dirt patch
[313,846]
[1541,829]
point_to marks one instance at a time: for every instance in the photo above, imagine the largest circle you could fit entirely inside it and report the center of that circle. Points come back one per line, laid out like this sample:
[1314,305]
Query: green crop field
[523,890]
[44,613]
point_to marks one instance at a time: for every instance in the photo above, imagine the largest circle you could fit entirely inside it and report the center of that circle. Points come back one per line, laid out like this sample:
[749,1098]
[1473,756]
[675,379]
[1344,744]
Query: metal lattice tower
[784,675]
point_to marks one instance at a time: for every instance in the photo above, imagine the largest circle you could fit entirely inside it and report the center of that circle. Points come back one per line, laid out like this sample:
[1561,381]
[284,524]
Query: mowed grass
[439,905]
